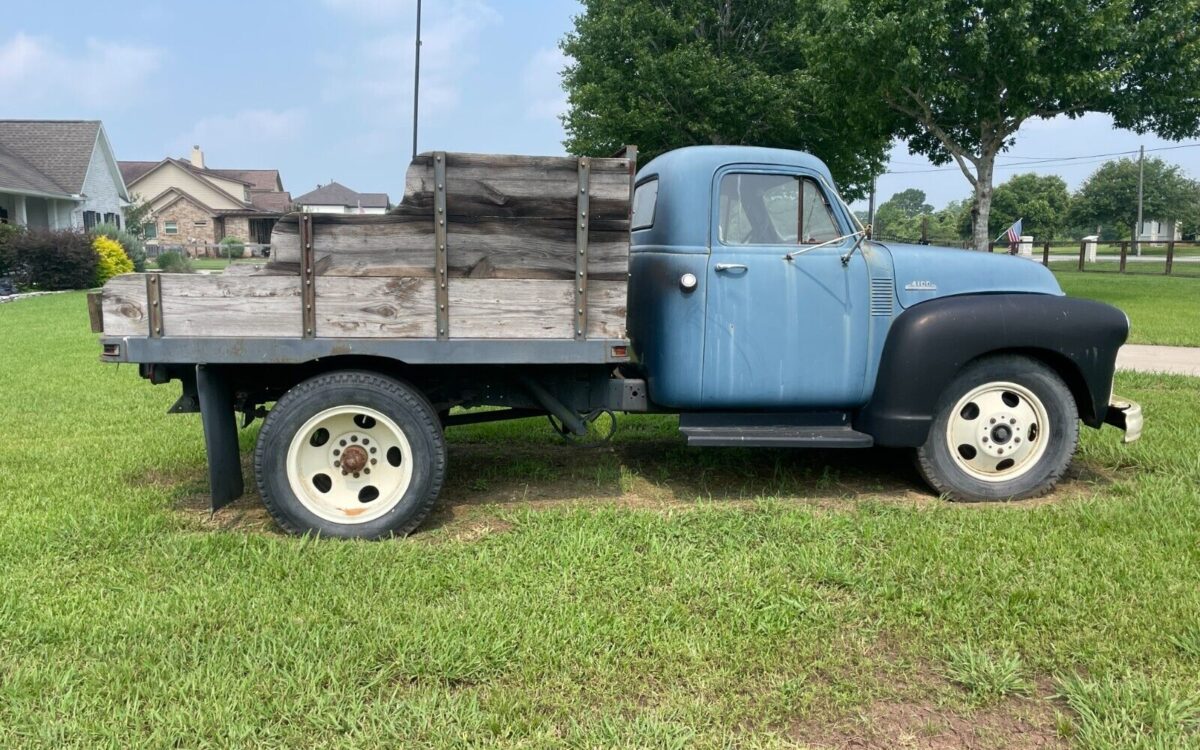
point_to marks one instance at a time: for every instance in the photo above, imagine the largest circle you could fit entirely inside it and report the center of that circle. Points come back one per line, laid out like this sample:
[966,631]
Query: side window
[765,209]
[645,198]
[818,225]
[759,209]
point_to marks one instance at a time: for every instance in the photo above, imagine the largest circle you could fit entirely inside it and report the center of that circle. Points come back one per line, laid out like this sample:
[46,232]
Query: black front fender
[928,344]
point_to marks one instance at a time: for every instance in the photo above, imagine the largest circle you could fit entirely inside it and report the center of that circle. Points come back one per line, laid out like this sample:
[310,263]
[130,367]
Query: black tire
[400,402]
[942,470]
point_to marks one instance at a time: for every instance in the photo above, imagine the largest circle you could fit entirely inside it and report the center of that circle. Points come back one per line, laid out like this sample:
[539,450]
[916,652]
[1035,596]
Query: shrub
[111,259]
[7,255]
[130,243]
[232,247]
[173,262]
[52,260]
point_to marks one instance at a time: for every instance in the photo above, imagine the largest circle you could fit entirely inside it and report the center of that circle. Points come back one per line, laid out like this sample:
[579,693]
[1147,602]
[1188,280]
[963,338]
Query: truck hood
[924,272]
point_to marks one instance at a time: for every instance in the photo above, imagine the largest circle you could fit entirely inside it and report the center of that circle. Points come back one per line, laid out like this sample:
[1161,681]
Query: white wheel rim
[998,432]
[349,464]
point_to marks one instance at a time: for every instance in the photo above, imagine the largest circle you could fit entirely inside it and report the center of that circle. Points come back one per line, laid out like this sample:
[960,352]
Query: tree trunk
[982,210]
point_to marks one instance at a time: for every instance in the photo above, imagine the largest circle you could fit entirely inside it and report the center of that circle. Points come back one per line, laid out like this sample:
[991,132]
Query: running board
[772,431]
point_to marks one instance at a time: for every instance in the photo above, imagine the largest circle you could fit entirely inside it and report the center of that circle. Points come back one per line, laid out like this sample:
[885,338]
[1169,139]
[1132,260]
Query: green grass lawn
[1161,309]
[215,264]
[639,595]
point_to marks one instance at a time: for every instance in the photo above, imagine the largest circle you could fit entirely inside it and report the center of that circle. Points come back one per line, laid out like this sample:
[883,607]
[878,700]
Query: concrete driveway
[1176,360]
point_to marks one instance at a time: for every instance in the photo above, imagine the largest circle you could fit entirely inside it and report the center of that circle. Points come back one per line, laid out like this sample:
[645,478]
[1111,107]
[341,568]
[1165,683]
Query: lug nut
[337,463]
[354,438]
[372,450]
[366,442]
[374,461]
[356,475]
[343,442]
[367,471]
[337,452]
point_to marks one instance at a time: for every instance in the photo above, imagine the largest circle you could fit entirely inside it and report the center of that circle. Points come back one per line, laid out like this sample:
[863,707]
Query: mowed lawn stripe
[758,615]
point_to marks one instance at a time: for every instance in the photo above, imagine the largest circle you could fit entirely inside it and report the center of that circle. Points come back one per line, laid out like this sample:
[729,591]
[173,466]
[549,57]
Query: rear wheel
[1006,429]
[350,454]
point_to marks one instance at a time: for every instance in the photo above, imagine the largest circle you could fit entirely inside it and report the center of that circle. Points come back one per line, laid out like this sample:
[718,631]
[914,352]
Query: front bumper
[1126,415]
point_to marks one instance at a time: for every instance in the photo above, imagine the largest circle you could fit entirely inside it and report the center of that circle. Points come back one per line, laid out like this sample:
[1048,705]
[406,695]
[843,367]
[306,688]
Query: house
[194,207]
[336,198]
[1154,230]
[59,174]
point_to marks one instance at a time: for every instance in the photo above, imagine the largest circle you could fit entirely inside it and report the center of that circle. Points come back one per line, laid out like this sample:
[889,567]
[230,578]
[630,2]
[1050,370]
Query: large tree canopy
[1109,196]
[663,75]
[958,78]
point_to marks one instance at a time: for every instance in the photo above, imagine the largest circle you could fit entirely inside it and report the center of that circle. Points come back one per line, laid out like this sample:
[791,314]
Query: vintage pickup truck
[729,285]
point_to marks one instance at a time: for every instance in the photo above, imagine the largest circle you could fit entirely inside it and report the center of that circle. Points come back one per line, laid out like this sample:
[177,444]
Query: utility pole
[417,80]
[871,209]
[1137,235]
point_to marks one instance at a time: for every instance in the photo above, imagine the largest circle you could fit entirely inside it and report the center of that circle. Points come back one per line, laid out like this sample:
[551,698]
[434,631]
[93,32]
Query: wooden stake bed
[481,247]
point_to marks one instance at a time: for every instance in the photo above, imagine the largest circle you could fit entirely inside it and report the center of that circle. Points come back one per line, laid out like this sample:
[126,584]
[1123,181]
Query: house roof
[273,202]
[337,194]
[133,170]
[257,179]
[60,151]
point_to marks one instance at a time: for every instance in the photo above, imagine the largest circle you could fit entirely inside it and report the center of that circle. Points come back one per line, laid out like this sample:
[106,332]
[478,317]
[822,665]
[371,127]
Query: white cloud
[542,84]
[379,73]
[34,72]
[375,10]
[229,138]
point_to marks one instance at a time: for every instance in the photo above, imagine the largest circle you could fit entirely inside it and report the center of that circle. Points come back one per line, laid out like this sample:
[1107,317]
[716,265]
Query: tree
[137,214]
[1109,196]
[958,78]
[910,202]
[1043,202]
[906,216]
[664,75]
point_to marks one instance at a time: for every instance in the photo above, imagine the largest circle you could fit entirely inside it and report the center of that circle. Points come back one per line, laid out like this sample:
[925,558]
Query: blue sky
[322,89]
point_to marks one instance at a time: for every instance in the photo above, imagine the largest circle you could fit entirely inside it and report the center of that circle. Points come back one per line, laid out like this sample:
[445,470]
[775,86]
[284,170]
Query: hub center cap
[354,458]
[1001,434]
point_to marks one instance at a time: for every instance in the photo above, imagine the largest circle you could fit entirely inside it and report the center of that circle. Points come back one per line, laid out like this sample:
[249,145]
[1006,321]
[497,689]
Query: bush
[111,259]
[232,247]
[130,243]
[7,256]
[53,260]
[173,262]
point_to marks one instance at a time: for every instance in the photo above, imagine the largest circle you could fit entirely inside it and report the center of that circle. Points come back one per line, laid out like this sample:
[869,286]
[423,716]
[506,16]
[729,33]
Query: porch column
[19,215]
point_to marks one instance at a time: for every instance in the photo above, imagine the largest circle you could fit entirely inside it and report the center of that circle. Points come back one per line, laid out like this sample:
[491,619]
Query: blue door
[780,333]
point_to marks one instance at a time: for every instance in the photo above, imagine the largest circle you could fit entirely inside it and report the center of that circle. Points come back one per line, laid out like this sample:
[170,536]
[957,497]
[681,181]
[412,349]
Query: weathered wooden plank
[489,248]
[124,306]
[375,307]
[511,308]
[217,305]
[517,186]
[353,307]
[606,309]
[532,309]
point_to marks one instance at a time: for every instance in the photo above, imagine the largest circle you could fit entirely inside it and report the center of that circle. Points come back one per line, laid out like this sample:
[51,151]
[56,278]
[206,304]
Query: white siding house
[336,198]
[59,174]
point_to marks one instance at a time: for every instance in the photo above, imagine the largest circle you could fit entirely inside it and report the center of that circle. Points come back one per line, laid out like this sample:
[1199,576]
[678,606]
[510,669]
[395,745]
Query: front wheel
[350,454]
[1006,429]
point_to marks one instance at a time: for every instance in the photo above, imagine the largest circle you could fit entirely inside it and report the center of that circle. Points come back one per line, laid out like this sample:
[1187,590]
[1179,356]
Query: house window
[201,222]
[150,230]
[90,220]
[170,227]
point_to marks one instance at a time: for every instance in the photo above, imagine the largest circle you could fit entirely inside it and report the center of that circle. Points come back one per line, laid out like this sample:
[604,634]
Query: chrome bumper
[1126,415]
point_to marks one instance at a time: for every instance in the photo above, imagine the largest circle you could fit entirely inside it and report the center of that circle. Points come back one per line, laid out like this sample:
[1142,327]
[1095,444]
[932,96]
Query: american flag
[1014,232]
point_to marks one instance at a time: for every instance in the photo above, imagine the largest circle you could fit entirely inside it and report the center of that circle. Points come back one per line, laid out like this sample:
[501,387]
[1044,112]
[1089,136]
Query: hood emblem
[920,286]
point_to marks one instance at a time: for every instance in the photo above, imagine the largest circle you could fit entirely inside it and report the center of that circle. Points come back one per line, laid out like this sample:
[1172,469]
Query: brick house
[59,174]
[194,207]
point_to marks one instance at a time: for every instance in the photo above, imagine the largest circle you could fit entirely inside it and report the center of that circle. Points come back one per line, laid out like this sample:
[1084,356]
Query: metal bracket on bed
[308,289]
[440,276]
[581,247]
[154,304]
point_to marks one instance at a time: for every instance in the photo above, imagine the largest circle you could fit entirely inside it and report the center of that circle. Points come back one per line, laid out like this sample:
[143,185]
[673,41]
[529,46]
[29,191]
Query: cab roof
[694,160]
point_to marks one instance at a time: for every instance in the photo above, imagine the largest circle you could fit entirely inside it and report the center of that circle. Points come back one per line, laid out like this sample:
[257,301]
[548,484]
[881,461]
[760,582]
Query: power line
[1049,161]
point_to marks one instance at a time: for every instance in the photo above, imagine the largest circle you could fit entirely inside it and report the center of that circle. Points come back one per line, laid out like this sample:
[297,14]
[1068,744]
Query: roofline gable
[110,160]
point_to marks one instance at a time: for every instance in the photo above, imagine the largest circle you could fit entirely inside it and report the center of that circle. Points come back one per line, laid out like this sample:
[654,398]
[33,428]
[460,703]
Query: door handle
[731,267]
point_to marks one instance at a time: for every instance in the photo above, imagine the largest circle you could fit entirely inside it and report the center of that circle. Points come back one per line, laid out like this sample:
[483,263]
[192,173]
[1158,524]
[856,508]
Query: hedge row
[64,259]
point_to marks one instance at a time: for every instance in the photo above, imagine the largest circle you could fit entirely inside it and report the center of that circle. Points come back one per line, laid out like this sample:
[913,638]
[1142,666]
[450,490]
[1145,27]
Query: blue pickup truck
[759,311]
